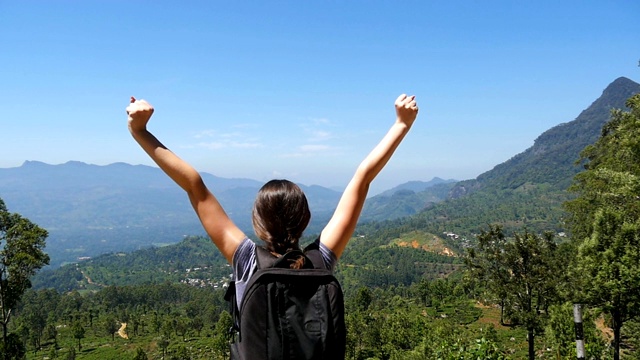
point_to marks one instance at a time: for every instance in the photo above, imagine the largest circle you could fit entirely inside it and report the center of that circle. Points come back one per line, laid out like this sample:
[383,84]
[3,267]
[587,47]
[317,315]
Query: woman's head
[280,215]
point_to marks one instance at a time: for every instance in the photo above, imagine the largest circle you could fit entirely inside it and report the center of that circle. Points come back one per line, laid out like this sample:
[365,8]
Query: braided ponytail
[280,215]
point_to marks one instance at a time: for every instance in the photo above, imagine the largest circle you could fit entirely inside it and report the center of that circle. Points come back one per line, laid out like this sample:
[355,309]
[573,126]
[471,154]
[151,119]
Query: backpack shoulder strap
[312,252]
[264,258]
[230,297]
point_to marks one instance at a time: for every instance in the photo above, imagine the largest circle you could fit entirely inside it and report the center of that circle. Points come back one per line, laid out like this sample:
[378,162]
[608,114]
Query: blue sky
[304,89]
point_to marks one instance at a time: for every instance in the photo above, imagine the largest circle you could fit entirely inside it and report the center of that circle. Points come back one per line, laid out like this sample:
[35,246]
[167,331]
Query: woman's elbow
[364,176]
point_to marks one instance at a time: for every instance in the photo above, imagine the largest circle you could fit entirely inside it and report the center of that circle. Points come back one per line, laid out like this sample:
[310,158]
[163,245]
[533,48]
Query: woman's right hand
[139,112]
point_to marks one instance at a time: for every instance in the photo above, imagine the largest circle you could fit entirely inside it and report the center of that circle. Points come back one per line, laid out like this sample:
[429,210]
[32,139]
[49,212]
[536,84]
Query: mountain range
[90,209]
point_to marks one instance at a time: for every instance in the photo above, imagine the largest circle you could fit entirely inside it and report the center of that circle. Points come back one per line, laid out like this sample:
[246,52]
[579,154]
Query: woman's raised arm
[223,232]
[340,228]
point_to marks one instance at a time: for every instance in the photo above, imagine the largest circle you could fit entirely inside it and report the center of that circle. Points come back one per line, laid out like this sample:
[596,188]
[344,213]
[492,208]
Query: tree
[51,332]
[78,333]
[521,275]
[36,322]
[53,352]
[610,260]
[222,337]
[110,326]
[611,176]
[140,354]
[180,353]
[36,310]
[180,326]
[71,355]
[163,344]
[21,255]
[605,220]
[134,323]
[12,348]
[156,323]
[197,324]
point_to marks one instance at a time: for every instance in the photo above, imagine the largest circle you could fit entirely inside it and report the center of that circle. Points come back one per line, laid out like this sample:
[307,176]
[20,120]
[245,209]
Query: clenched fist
[139,112]
[406,109]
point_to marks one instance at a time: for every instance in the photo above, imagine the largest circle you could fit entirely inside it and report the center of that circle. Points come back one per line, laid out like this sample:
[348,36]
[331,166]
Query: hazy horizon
[303,91]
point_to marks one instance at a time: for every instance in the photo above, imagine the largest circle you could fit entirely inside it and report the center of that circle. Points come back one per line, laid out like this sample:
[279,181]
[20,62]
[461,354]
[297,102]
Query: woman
[280,212]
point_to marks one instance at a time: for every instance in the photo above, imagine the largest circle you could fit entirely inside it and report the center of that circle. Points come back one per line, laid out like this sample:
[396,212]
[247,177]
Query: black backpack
[289,313]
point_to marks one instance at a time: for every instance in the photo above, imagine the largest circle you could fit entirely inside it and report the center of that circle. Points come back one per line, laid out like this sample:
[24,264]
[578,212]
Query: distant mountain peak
[621,82]
[416,186]
[33,163]
[620,88]
[40,164]
[76,163]
[552,157]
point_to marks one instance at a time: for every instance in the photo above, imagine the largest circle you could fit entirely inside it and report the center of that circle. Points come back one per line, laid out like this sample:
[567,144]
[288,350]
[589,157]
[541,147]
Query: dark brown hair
[280,215]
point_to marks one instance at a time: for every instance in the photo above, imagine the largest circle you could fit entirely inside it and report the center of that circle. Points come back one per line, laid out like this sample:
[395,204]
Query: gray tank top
[244,264]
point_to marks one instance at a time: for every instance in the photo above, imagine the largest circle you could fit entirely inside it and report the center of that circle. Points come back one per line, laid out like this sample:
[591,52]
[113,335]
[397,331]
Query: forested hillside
[406,200]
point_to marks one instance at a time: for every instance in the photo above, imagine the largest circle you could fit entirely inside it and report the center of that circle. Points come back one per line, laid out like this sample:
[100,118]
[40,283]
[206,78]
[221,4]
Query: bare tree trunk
[617,324]
[4,333]
[531,340]
[5,315]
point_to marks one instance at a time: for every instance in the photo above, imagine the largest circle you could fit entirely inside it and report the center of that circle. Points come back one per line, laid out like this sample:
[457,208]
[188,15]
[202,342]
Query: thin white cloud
[205,134]
[316,130]
[309,150]
[316,140]
[235,140]
[231,135]
[245,145]
[214,145]
[320,135]
[314,148]
[210,145]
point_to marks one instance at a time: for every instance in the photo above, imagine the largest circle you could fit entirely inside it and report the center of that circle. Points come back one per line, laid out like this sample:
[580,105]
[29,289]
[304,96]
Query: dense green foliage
[21,255]
[195,260]
[521,274]
[560,333]
[379,262]
[606,221]
[414,314]
[156,313]
[534,206]
[426,320]
[368,261]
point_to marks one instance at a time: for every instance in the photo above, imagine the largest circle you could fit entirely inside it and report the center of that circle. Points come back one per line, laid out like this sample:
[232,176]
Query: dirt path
[122,332]
[89,281]
[607,331]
